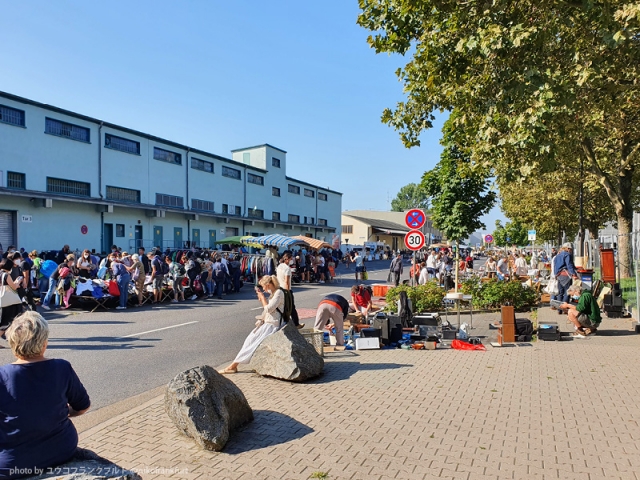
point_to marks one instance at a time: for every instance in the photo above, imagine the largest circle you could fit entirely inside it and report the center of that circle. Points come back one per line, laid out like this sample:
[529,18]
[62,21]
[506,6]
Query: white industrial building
[66,178]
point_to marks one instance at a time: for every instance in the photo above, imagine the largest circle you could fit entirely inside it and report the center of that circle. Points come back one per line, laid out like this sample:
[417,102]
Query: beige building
[369,226]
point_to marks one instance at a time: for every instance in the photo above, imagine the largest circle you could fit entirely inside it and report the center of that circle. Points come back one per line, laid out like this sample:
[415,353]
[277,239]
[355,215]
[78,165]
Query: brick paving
[560,410]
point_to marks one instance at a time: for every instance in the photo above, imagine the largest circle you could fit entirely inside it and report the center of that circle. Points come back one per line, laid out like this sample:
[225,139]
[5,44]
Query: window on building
[246,158]
[275,216]
[68,187]
[255,179]
[275,191]
[169,200]
[309,193]
[16,180]
[203,165]
[275,162]
[12,116]
[231,209]
[167,156]
[294,218]
[347,228]
[204,205]
[121,144]
[119,230]
[231,172]
[255,213]
[67,130]
[322,196]
[123,194]
[294,189]
[322,222]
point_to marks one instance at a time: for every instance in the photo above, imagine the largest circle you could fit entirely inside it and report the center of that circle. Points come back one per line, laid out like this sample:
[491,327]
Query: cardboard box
[367,343]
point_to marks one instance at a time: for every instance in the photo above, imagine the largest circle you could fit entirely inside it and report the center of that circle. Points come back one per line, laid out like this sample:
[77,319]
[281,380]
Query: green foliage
[494,294]
[425,298]
[539,86]
[410,196]
[515,232]
[460,197]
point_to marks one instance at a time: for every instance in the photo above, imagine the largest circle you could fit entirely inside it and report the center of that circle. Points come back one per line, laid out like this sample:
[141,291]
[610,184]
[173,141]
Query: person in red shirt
[361,300]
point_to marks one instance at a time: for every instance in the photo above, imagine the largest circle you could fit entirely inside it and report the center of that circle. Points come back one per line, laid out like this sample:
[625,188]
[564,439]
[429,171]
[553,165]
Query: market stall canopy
[237,240]
[274,241]
[438,245]
[313,242]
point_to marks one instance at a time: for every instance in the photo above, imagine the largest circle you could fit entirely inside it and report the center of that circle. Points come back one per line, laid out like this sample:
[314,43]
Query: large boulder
[286,355]
[86,465]
[206,406]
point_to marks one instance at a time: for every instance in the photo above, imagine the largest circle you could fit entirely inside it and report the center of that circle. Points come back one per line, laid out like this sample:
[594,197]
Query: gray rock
[86,465]
[286,355]
[206,406]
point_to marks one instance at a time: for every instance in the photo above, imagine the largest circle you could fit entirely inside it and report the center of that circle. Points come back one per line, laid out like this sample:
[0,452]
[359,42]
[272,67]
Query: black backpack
[287,308]
[165,267]
[180,269]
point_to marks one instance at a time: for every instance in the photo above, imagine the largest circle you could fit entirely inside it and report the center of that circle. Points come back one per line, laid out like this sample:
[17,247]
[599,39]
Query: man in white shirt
[503,268]
[425,276]
[283,272]
[359,261]
[432,264]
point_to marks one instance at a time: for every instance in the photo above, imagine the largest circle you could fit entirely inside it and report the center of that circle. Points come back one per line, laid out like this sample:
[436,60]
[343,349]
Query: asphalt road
[119,354]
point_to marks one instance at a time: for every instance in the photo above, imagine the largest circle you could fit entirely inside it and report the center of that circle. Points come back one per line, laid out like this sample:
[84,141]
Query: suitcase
[549,332]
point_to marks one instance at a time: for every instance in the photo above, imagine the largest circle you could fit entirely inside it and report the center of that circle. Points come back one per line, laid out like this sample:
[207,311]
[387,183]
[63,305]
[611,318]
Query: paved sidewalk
[559,410]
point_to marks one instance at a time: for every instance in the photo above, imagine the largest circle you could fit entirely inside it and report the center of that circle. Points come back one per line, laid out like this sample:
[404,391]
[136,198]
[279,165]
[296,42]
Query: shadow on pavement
[109,343]
[268,428]
[614,333]
[336,371]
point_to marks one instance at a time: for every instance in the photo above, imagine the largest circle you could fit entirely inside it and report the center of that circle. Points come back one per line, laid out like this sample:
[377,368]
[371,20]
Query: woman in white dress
[268,322]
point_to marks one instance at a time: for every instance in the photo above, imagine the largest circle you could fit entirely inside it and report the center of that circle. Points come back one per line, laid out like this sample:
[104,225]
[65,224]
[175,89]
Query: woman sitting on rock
[266,325]
[37,397]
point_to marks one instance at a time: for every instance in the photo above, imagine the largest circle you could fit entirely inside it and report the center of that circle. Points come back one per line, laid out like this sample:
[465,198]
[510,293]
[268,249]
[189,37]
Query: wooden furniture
[507,329]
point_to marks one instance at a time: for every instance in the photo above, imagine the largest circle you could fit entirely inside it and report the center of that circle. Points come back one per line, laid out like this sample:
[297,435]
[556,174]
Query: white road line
[157,330]
[329,293]
[257,308]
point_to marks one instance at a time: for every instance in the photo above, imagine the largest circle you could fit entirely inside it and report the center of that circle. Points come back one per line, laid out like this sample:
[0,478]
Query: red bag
[460,345]
[113,288]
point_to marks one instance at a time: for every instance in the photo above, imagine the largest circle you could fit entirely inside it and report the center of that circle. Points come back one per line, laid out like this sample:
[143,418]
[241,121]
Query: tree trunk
[625,261]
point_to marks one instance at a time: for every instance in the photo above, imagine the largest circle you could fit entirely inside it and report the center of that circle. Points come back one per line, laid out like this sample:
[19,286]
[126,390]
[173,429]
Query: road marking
[157,330]
[257,308]
[329,293]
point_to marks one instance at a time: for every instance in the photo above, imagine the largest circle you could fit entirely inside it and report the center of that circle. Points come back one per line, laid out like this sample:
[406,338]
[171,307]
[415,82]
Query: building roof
[381,225]
[258,146]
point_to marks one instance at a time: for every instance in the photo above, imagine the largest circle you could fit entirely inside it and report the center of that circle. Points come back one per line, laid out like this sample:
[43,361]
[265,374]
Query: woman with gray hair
[37,397]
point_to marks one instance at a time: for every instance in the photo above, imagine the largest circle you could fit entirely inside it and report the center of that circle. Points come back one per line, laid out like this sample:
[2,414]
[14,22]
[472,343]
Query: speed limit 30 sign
[414,240]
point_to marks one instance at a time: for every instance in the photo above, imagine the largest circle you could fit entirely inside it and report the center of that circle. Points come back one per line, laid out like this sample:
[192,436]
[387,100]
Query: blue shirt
[564,261]
[35,430]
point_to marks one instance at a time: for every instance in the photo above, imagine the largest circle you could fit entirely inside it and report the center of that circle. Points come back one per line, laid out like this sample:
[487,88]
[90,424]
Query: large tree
[538,84]
[459,197]
[512,233]
[410,196]
[550,204]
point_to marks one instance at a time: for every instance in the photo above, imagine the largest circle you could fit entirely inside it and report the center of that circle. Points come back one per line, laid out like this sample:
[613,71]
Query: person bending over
[37,397]
[268,322]
[333,309]
[585,316]
[361,300]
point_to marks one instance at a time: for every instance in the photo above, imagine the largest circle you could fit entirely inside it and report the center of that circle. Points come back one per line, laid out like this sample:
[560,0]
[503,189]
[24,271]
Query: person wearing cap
[585,316]
[564,271]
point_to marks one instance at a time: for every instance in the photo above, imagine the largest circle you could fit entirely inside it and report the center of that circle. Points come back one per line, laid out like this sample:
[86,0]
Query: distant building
[66,178]
[360,226]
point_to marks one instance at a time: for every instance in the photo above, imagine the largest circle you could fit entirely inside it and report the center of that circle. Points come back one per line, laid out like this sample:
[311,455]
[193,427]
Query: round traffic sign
[488,239]
[414,240]
[415,218]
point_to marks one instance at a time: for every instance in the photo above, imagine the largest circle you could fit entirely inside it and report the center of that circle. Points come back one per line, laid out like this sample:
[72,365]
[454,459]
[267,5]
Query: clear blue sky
[219,75]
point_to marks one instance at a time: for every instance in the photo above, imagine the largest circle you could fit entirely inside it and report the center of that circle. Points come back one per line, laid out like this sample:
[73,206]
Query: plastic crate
[316,339]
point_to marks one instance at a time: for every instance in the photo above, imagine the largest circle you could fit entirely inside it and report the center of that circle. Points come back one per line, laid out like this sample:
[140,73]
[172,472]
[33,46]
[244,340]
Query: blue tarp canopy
[274,241]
